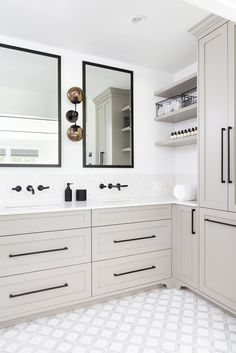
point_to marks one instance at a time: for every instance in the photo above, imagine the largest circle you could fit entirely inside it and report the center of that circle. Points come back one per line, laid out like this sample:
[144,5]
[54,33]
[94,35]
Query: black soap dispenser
[68,193]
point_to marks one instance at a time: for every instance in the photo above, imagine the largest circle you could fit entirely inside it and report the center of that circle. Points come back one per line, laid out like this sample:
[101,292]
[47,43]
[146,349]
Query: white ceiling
[103,28]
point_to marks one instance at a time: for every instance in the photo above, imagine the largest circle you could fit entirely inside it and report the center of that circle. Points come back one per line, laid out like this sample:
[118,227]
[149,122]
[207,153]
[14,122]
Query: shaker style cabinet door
[213,111]
[232,118]
[217,256]
[187,245]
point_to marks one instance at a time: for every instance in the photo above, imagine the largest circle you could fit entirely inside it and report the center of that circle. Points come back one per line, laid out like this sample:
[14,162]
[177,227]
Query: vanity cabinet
[217,256]
[187,239]
[217,80]
[131,247]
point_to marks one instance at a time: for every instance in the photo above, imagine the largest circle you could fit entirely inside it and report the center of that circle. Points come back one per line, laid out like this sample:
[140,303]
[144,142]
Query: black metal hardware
[192,221]
[38,291]
[118,186]
[30,189]
[18,188]
[229,155]
[134,239]
[218,222]
[38,252]
[102,186]
[41,187]
[129,272]
[222,155]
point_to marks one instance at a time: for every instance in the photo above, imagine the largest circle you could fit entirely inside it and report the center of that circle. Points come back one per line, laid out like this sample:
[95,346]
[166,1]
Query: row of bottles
[184,133]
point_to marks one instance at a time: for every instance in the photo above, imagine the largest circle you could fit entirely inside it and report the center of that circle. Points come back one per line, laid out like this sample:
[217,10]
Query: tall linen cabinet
[217,159]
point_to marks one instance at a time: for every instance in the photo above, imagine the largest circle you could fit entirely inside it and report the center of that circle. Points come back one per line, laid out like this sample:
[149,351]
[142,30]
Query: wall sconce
[75,96]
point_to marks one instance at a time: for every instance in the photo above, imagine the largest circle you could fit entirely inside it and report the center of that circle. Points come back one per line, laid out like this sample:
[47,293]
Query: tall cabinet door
[217,256]
[213,87]
[187,245]
[232,118]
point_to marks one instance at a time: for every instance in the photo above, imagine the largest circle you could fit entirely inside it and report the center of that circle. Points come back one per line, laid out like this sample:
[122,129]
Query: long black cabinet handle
[218,222]
[229,155]
[37,291]
[134,239]
[38,252]
[129,272]
[192,221]
[222,155]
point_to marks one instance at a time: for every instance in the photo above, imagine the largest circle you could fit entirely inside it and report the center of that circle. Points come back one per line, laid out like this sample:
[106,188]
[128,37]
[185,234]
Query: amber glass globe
[75,133]
[75,95]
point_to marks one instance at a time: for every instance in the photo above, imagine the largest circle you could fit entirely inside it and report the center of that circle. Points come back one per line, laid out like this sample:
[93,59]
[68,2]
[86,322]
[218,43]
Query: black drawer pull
[218,222]
[39,252]
[129,272]
[37,291]
[192,221]
[134,239]
[229,156]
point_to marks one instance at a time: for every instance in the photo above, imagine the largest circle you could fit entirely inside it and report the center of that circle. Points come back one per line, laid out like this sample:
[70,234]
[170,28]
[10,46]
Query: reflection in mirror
[108,116]
[29,107]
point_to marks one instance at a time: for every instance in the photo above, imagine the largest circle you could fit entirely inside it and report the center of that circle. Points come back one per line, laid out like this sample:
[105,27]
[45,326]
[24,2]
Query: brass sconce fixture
[75,96]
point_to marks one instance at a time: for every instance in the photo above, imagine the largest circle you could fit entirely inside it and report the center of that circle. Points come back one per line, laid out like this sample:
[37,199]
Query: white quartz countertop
[88,205]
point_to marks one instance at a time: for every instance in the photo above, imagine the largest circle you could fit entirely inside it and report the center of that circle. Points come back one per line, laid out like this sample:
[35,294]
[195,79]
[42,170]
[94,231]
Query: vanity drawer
[43,290]
[40,251]
[40,222]
[130,239]
[118,274]
[118,215]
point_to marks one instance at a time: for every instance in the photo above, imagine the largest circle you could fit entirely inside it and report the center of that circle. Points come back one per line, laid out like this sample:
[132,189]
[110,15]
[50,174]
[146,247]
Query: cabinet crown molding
[207,25]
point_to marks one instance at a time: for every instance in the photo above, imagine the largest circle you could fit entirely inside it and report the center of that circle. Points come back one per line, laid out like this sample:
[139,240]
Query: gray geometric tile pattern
[157,321]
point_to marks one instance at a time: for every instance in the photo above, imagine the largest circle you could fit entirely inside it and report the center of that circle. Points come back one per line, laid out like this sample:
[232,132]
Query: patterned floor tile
[158,321]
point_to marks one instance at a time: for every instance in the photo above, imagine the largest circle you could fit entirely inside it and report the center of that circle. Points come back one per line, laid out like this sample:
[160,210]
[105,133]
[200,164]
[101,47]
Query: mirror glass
[107,116]
[29,107]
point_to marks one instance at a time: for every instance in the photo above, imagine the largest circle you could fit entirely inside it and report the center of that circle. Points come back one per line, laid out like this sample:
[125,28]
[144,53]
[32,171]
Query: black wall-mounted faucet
[18,188]
[118,186]
[102,186]
[30,189]
[41,187]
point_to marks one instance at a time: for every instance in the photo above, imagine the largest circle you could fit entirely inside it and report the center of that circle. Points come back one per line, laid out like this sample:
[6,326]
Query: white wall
[157,162]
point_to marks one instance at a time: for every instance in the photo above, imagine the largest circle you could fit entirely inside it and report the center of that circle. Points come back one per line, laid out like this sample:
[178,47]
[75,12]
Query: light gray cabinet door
[187,245]
[213,106]
[232,118]
[217,256]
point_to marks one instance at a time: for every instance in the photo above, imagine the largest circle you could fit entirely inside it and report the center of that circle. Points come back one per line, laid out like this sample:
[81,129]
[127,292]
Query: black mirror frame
[58,57]
[85,165]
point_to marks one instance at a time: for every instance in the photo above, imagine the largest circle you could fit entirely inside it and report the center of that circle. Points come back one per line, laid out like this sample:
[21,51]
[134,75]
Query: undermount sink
[118,201]
[32,206]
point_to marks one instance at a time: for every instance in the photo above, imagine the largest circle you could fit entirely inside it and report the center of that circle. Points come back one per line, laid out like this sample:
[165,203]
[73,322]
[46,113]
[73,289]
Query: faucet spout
[30,189]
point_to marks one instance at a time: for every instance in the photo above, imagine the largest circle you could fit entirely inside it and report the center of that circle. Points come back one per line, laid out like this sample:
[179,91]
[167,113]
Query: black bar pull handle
[134,239]
[192,221]
[38,252]
[229,155]
[11,296]
[129,272]
[218,222]
[222,155]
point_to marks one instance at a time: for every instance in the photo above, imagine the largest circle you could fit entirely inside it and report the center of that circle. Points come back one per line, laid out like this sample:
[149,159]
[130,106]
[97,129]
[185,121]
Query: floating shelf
[127,149]
[176,116]
[178,87]
[128,128]
[126,108]
[182,141]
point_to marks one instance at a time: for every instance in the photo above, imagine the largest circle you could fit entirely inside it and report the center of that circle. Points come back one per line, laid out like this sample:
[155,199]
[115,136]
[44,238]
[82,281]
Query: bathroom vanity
[65,257]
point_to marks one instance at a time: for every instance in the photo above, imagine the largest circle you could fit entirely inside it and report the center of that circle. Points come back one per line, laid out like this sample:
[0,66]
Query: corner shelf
[178,87]
[126,108]
[125,129]
[183,141]
[176,116]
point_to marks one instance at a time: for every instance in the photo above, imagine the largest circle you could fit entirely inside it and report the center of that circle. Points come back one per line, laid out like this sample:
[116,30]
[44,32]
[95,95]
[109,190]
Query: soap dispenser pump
[68,193]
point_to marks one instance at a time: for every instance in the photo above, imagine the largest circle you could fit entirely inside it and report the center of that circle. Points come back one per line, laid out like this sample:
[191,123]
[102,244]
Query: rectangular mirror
[107,116]
[30,108]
